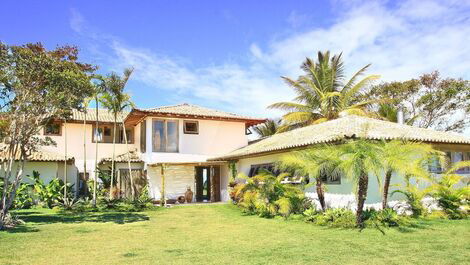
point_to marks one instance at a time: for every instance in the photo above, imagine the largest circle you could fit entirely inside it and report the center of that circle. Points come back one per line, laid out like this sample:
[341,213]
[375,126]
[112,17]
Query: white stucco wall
[214,138]
[48,171]
[345,188]
[75,146]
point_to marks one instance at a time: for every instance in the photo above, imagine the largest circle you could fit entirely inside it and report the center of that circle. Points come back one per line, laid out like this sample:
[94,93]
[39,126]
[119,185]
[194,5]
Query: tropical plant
[449,196]
[52,193]
[414,195]
[268,128]
[390,112]
[266,195]
[316,163]
[96,95]
[404,158]
[24,197]
[336,217]
[323,93]
[116,101]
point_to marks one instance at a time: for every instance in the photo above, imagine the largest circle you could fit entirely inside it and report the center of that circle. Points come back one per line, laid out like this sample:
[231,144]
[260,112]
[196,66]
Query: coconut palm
[404,158]
[116,101]
[86,102]
[390,112]
[268,128]
[323,93]
[315,163]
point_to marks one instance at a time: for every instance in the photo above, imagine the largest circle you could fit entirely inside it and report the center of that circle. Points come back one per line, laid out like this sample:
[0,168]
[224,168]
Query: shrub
[451,199]
[339,217]
[413,197]
[310,214]
[23,197]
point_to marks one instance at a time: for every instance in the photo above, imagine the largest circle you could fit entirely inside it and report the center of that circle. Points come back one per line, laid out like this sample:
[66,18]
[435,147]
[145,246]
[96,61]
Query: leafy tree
[116,100]
[35,85]
[428,101]
[323,93]
[268,128]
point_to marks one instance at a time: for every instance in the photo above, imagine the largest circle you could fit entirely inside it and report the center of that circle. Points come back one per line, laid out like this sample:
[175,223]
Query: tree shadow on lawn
[38,218]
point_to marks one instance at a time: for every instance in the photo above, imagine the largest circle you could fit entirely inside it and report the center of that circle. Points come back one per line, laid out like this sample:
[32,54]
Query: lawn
[220,234]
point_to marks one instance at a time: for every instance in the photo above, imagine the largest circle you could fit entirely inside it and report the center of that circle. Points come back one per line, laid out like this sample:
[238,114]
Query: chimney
[400,118]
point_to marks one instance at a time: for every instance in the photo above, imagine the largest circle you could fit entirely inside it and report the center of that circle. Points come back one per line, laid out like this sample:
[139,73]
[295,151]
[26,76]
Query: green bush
[339,217]
[23,197]
[386,217]
[451,199]
[310,214]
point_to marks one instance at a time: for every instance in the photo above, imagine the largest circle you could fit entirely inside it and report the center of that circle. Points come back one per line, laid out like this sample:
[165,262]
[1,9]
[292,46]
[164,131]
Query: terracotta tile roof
[104,115]
[195,111]
[122,158]
[348,126]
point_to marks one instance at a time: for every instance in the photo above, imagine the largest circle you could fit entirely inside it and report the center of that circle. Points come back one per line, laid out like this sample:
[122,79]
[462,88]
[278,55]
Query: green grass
[220,234]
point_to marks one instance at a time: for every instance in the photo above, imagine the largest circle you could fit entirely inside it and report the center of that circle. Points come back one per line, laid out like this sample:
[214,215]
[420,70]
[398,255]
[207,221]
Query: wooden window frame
[190,132]
[53,134]
[165,130]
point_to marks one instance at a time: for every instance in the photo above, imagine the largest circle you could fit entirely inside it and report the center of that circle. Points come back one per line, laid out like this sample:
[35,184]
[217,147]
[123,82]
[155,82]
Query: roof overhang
[137,115]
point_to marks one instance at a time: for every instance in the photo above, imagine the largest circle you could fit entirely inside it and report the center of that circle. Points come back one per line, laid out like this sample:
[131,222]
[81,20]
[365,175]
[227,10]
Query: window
[269,167]
[52,128]
[330,179]
[143,135]
[191,127]
[165,136]
[104,134]
[461,156]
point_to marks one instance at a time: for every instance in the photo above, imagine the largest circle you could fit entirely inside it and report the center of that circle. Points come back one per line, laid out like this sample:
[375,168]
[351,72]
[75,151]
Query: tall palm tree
[389,112]
[268,128]
[86,102]
[404,158]
[316,163]
[116,101]
[323,93]
[96,95]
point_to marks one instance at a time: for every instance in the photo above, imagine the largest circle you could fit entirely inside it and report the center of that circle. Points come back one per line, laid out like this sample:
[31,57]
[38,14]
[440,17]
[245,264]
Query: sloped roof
[104,115]
[345,127]
[121,158]
[194,111]
[38,156]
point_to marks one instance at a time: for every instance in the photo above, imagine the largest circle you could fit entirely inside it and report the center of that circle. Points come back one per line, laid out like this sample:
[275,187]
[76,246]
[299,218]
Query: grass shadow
[106,217]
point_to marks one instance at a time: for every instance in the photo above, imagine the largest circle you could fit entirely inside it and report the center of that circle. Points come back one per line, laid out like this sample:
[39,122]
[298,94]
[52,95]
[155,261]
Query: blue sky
[229,54]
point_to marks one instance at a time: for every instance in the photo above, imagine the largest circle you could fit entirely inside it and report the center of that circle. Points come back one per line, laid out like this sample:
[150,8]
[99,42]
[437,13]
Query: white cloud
[401,43]
[76,20]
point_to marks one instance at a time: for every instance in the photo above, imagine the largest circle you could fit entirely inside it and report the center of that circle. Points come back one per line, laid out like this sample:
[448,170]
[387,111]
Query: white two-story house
[179,138]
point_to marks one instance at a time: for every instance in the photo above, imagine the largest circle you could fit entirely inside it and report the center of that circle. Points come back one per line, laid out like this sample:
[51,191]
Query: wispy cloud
[76,20]
[402,42]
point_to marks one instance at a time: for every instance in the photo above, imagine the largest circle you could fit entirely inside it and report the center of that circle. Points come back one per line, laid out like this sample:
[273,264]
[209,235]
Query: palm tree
[404,158]
[86,102]
[116,101]
[96,96]
[268,128]
[316,163]
[323,94]
[389,112]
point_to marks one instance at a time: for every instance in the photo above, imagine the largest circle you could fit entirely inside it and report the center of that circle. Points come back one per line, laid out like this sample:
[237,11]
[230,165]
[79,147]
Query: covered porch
[194,181]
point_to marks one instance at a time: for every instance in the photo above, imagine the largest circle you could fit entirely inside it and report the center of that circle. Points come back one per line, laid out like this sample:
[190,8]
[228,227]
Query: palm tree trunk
[128,160]
[84,153]
[163,199]
[361,198]
[65,160]
[95,182]
[388,177]
[114,158]
[320,193]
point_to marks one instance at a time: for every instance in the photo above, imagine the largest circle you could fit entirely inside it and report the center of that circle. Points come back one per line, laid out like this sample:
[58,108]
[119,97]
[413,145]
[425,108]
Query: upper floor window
[165,136]
[52,128]
[104,134]
[191,127]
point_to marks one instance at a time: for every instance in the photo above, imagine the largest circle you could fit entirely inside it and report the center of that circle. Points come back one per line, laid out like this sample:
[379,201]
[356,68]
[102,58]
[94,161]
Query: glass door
[203,184]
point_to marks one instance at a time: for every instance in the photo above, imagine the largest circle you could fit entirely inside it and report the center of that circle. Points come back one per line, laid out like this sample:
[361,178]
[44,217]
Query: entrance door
[208,183]
[203,185]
